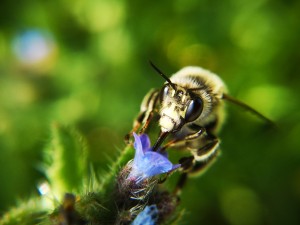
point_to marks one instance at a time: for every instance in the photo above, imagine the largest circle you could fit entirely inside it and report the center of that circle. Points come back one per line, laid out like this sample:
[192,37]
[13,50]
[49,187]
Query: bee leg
[205,156]
[202,159]
[162,180]
[186,164]
[178,142]
[149,105]
[211,143]
[192,167]
[146,113]
[136,125]
[201,166]
[180,184]
[147,121]
[209,149]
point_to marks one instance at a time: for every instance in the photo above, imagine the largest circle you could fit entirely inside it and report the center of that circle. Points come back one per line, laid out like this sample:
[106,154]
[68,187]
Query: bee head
[178,107]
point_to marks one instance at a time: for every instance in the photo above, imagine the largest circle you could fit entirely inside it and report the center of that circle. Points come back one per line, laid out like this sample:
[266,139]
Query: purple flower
[146,162]
[148,216]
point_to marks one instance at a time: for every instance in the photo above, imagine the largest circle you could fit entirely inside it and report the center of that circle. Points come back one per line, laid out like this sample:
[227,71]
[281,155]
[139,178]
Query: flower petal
[147,163]
[148,216]
[145,142]
[155,163]
[139,153]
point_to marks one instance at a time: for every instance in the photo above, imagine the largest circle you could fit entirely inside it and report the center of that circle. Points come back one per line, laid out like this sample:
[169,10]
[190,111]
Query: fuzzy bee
[189,109]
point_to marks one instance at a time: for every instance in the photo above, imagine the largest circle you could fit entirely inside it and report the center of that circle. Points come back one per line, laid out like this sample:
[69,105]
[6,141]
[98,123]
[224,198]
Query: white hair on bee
[190,75]
[207,84]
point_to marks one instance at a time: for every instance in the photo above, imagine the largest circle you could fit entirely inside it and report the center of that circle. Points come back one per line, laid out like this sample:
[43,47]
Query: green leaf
[26,213]
[66,161]
[107,181]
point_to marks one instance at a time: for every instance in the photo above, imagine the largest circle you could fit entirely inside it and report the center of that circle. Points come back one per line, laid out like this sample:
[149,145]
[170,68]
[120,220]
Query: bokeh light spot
[115,46]
[100,15]
[33,46]
[273,101]
[241,206]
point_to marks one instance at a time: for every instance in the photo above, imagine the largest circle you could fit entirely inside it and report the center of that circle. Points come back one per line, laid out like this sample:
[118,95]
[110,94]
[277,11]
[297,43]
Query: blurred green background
[85,64]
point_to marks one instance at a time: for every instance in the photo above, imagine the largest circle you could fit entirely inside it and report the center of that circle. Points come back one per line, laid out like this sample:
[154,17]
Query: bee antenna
[247,107]
[163,75]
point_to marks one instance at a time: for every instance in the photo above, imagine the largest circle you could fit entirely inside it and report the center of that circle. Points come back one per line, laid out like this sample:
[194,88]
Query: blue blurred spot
[33,46]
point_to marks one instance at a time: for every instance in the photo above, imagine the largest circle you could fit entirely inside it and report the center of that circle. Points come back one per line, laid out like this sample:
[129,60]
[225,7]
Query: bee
[189,109]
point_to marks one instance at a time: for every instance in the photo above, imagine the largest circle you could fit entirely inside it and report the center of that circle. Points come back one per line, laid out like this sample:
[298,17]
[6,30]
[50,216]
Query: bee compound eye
[194,109]
[164,92]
